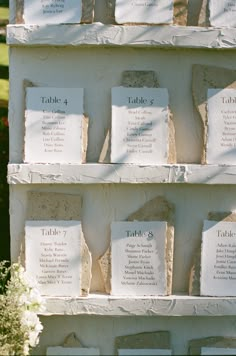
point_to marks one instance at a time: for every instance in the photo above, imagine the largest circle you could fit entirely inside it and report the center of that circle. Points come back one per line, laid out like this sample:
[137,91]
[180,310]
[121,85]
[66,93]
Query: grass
[4,88]
[3,54]
[4,13]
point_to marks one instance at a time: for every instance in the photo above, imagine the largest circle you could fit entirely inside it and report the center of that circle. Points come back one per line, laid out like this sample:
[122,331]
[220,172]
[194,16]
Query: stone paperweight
[54,257]
[147,343]
[218,264]
[139,11]
[55,126]
[139,132]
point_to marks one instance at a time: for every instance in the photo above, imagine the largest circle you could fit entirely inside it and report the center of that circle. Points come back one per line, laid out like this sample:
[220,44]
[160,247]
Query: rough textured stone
[215,341]
[152,340]
[105,265]
[72,341]
[203,19]
[87,11]
[194,279]
[157,209]
[203,78]
[53,206]
[180,12]
[139,79]
[59,206]
[179,16]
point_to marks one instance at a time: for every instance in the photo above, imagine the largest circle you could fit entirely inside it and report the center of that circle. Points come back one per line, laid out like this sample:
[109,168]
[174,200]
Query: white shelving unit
[93,57]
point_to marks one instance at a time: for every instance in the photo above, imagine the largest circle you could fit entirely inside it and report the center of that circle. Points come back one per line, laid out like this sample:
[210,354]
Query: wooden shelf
[97,34]
[175,305]
[92,173]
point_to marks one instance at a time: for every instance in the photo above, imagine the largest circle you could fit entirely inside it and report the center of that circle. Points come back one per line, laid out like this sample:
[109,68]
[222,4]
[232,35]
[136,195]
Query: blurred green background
[4,135]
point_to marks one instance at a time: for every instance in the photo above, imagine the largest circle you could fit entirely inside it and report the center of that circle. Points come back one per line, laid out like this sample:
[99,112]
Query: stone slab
[86,11]
[138,258]
[72,340]
[157,209]
[218,265]
[75,351]
[194,277]
[203,19]
[139,132]
[53,206]
[222,13]
[147,340]
[221,131]
[55,126]
[196,345]
[203,78]
[51,249]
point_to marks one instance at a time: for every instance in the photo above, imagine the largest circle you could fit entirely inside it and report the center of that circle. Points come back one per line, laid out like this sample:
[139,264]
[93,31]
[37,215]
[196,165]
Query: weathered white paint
[129,36]
[120,173]
[96,56]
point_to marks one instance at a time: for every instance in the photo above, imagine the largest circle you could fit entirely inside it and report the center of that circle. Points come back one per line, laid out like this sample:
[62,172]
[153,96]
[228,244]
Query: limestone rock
[105,266]
[215,341]
[157,209]
[194,278]
[203,20]
[139,79]
[87,11]
[86,263]
[203,78]
[53,206]
[180,12]
[72,341]
[152,340]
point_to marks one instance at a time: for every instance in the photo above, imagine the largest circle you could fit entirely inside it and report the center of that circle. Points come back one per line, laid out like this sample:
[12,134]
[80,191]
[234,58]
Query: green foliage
[11,331]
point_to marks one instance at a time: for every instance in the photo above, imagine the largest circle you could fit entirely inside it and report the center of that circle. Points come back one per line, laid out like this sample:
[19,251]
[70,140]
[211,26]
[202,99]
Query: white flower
[22,288]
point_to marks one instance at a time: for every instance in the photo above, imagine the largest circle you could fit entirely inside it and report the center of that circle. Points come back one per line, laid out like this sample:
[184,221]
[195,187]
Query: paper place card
[222,13]
[139,125]
[218,259]
[52,253]
[54,125]
[138,258]
[44,12]
[218,351]
[221,142]
[142,352]
[144,11]
[75,351]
